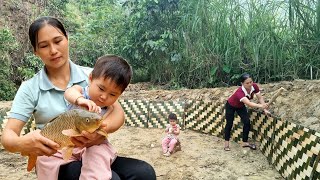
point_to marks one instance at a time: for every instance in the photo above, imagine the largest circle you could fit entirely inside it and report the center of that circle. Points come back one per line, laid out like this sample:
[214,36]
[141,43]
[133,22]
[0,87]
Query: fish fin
[31,162]
[67,153]
[71,133]
[102,132]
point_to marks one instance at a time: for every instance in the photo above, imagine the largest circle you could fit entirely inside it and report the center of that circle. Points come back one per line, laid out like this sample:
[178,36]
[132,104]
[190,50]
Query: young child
[171,139]
[109,78]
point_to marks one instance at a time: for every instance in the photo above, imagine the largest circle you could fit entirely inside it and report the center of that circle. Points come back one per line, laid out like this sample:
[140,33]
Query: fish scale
[57,126]
[77,120]
[53,130]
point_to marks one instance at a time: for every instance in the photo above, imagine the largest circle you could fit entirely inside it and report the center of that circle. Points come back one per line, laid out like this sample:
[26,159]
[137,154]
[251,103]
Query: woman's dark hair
[41,22]
[244,76]
[172,116]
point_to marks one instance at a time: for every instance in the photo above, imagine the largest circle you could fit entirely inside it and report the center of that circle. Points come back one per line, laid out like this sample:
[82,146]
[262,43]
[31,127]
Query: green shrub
[7,45]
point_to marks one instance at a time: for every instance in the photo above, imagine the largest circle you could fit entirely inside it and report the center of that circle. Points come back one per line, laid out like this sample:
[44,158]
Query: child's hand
[90,105]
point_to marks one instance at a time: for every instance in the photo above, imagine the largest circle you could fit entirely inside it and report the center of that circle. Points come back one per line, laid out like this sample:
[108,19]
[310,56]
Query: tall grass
[195,43]
[205,43]
[273,40]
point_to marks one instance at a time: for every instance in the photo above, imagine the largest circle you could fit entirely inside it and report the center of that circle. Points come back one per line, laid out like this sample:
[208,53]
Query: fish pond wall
[292,149]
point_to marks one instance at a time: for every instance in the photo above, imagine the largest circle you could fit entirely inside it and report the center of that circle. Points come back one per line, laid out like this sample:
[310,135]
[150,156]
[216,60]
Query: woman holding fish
[43,97]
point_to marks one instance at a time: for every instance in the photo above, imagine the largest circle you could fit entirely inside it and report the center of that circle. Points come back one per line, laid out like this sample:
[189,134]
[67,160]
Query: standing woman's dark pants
[243,113]
[123,168]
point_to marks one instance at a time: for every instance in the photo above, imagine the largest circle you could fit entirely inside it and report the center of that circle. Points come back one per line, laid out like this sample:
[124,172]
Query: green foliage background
[181,43]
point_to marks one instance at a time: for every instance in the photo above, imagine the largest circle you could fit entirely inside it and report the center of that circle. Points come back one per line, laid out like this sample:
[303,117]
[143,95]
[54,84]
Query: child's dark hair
[40,23]
[115,68]
[172,116]
[244,76]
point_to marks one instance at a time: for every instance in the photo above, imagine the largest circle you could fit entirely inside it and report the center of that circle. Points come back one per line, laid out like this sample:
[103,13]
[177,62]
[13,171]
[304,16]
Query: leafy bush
[7,45]
[31,65]
[192,44]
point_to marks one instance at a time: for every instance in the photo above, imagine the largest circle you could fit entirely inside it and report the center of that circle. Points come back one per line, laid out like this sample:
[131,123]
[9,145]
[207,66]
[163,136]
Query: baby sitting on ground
[171,139]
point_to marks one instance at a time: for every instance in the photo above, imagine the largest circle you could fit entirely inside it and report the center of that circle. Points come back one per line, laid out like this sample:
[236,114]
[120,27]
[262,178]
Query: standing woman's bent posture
[237,103]
[43,97]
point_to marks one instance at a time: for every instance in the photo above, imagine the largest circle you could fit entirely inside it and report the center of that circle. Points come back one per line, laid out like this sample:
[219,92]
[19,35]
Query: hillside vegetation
[179,43]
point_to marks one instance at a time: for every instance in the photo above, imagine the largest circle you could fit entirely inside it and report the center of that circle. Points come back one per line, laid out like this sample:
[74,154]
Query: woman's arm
[260,98]
[31,143]
[10,136]
[247,102]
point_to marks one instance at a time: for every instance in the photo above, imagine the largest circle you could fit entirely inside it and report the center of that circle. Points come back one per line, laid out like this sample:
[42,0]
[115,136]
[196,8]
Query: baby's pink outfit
[96,163]
[170,140]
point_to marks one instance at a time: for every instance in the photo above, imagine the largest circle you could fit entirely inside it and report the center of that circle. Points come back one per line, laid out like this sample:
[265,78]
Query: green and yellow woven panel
[296,151]
[205,117]
[292,149]
[257,121]
[159,111]
[136,112]
[263,131]
[237,129]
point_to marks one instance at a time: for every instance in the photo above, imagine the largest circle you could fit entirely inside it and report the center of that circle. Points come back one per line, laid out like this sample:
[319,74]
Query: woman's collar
[246,92]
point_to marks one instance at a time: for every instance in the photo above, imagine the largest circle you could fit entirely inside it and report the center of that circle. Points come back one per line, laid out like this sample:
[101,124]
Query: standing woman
[43,97]
[237,103]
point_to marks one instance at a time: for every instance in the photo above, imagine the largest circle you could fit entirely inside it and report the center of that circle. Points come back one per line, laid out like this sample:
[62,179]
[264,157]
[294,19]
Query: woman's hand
[264,106]
[266,112]
[34,143]
[88,139]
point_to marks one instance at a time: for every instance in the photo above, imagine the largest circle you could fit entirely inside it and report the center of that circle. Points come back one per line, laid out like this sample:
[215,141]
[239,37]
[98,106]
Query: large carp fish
[69,124]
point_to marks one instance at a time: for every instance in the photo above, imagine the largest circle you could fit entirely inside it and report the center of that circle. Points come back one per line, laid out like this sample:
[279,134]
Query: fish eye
[87,120]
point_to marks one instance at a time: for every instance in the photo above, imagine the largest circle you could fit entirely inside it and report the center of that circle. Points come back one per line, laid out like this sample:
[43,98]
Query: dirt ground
[202,156]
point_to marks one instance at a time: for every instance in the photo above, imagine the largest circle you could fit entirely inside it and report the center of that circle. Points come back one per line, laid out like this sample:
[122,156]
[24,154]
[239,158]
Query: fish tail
[67,153]
[31,162]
